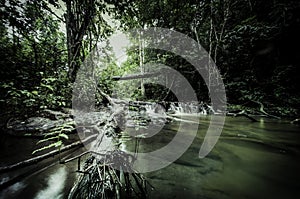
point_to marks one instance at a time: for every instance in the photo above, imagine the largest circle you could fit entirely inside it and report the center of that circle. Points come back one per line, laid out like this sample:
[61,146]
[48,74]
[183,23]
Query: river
[251,160]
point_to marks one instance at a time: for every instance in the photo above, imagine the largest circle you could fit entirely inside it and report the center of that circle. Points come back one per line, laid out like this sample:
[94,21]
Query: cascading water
[188,108]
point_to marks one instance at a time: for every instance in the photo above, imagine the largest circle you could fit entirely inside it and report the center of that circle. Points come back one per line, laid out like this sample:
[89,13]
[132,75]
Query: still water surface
[250,160]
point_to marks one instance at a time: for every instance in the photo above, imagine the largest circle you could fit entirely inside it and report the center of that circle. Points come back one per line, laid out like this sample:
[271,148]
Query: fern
[56,136]
[56,144]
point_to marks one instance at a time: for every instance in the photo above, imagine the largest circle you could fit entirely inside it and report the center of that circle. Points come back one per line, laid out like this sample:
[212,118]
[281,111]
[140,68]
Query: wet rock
[34,126]
[296,121]
[54,115]
[91,118]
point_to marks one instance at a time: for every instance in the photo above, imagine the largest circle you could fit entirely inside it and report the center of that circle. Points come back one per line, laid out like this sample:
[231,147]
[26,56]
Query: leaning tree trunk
[104,172]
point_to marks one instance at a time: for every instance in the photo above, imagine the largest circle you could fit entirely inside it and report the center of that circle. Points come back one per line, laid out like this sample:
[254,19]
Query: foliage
[56,136]
[249,40]
[44,95]
[33,69]
[252,43]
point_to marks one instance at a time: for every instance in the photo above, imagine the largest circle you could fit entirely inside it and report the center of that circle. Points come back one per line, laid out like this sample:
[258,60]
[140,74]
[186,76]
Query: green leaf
[47,86]
[63,136]
[47,139]
[50,79]
[35,92]
[59,143]
[52,133]
[56,144]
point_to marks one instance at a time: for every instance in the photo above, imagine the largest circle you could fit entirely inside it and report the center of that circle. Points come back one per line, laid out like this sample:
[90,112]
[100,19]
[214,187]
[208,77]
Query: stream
[251,160]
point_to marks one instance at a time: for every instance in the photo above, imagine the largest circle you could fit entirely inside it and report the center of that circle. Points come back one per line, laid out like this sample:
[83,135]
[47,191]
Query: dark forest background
[254,43]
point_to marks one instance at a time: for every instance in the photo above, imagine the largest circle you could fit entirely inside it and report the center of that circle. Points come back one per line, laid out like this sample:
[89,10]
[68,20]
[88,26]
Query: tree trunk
[78,16]
[141,58]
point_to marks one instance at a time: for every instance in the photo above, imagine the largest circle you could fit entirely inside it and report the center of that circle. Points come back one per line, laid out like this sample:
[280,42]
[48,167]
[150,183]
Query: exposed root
[106,178]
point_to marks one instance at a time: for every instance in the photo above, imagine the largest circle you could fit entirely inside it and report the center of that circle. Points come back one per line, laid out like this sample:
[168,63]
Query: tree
[33,49]
[247,40]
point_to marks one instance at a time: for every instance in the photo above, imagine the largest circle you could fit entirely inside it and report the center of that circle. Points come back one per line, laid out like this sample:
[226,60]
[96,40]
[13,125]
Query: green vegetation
[43,45]
[56,136]
[254,44]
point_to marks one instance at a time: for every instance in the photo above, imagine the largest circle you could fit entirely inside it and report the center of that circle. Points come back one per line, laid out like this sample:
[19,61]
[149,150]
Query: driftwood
[242,113]
[261,109]
[39,158]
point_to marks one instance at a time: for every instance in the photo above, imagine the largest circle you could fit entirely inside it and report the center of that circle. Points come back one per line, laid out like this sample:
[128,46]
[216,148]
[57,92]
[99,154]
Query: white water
[189,108]
[55,185]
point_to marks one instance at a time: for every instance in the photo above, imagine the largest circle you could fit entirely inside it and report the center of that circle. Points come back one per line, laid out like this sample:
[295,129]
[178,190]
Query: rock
[34,126]
[296,121]
[91,118]
[54,115]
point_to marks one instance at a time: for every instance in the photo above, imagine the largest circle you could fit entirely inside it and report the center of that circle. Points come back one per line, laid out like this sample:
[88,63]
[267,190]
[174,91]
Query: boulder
[34,126]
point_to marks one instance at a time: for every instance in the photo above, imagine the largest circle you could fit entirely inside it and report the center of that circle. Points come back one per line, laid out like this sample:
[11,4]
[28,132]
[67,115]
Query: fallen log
[136,76]
[102,170]
[32,171]
[45,156]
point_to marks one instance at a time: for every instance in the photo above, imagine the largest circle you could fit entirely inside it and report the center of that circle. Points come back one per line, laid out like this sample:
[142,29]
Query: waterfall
[155,108]
[189,108]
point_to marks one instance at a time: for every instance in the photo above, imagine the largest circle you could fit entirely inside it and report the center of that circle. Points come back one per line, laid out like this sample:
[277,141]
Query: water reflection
[12,189]
[251,160]
[55,185]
